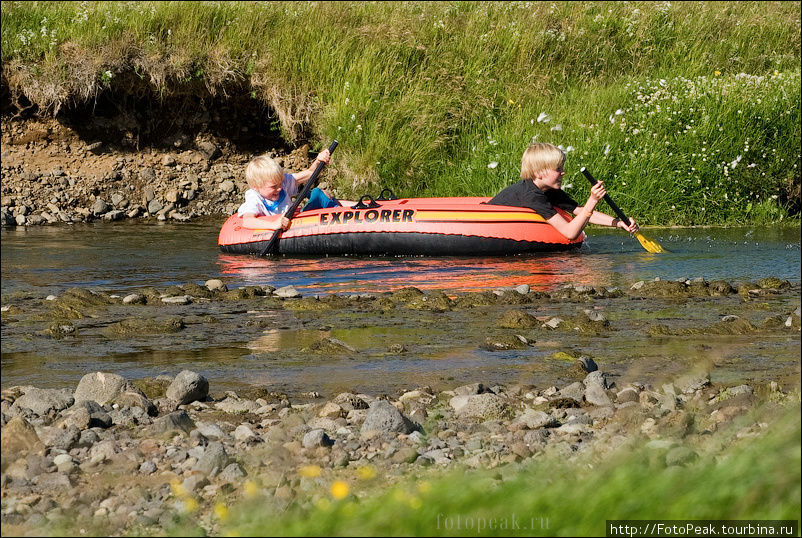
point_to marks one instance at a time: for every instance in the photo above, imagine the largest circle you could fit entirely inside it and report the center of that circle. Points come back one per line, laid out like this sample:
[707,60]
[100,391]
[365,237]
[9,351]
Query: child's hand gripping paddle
[649,244]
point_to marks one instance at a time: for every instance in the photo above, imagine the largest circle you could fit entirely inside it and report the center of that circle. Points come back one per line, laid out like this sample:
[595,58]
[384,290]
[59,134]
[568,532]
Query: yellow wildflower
[221,511]
[309,471]
[366,472]
[339,490]
[717,72]
[251,489]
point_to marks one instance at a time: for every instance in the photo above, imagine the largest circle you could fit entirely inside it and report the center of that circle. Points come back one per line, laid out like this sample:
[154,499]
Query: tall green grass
[441,98]
[750,478]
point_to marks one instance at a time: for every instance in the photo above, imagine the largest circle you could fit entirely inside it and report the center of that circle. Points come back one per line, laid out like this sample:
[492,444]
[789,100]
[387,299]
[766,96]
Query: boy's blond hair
[540,157]
[263,170]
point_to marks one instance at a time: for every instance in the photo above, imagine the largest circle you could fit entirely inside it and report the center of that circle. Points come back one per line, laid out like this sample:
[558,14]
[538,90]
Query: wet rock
[134,298]
[138,326]
[587,364]
[504,343]
[215,284]
[517,319]
[773,283]
[188,387]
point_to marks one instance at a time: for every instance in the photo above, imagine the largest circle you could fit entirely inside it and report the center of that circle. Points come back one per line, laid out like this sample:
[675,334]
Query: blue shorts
[318,200]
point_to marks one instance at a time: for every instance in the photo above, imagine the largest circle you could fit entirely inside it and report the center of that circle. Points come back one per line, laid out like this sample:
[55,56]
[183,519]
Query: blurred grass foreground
[689,110]
[740,474]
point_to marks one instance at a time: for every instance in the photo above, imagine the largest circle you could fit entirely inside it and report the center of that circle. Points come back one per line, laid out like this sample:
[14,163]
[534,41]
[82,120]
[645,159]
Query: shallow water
[120,256]
[443,349]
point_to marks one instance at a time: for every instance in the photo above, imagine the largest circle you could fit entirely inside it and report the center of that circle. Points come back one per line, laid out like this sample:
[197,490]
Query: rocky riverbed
[112,455]
[92,169]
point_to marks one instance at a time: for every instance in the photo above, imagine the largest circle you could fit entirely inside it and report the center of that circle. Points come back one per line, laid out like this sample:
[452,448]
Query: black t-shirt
[526,194]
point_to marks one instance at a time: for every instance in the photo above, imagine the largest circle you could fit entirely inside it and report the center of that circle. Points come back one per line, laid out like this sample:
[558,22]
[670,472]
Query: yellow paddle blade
[649,244]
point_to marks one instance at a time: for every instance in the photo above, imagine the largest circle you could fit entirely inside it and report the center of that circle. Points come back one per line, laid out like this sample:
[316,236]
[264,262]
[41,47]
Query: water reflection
[344,274]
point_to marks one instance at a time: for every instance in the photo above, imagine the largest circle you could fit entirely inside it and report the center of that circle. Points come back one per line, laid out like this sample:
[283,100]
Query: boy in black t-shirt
[542,170]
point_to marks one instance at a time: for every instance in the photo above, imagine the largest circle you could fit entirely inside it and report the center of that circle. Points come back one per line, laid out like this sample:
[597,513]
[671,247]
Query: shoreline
[119,455]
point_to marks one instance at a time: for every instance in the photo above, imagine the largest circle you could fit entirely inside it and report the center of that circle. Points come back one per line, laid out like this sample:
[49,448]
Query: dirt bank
[124,157]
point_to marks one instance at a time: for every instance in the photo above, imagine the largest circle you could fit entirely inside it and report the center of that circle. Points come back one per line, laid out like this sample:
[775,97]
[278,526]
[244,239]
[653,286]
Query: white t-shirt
[255,203]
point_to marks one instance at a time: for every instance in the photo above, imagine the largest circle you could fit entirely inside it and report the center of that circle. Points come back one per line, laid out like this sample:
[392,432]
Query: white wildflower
[557,127]
[492,164]
[543,118]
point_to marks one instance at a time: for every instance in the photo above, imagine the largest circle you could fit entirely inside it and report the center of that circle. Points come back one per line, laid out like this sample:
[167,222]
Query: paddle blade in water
[649,244]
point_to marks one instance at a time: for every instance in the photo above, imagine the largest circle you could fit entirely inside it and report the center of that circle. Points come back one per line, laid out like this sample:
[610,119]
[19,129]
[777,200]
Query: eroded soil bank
[595,370]
[127,157]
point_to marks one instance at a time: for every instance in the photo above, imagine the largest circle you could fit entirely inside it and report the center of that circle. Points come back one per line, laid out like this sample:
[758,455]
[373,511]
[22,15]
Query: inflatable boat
[405,226]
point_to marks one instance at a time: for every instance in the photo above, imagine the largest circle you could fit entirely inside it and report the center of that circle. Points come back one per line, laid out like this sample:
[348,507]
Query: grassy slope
[442,98]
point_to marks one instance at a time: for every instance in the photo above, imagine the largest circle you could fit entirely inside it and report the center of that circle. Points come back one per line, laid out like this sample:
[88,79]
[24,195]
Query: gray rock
[86,414]
[147,467]
[100,207]
[100,387]
[177,420]
[244,434]
[287,292]
[103,450]
[232,473]
[574,391]
[188,387]
[213,460]
[41,401]
[316,438]
[215,284]
[485,406]
[227,186]
[154,206]
[628,394]
[523,289]
[134,298]
[208,149]
[533,420]
[67,439]
[595,394]
[210,430]
[382,416]
[597,378]
[587,364]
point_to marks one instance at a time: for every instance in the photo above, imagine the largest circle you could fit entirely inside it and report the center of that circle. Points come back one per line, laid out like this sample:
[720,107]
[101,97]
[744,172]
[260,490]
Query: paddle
[272,245]
[649,244]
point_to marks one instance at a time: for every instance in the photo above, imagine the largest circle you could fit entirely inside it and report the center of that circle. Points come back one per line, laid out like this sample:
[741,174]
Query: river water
[116,257]
[444,348]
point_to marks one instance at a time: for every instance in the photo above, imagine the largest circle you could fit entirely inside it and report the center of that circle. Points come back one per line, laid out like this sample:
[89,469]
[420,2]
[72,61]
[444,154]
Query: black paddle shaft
[308,186]
[607,198]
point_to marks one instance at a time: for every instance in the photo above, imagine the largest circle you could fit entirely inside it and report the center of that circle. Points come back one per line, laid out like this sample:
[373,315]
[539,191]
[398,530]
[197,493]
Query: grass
[750,478]
[432,98]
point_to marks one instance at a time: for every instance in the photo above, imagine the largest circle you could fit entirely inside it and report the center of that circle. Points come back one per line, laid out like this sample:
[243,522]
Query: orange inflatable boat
[405,226]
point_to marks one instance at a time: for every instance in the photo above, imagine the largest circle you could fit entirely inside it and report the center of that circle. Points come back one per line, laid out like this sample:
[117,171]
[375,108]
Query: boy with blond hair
[271,191]
[542,170]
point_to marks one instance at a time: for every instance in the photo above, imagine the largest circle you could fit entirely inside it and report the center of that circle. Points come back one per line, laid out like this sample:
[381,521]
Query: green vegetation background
[689,110]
